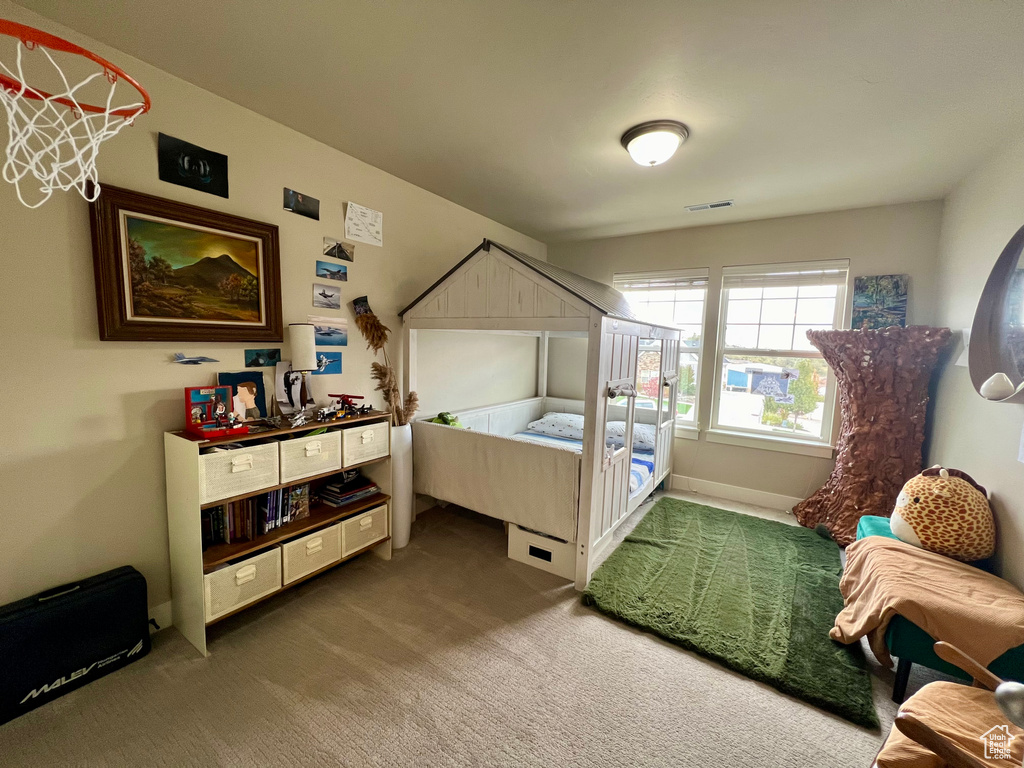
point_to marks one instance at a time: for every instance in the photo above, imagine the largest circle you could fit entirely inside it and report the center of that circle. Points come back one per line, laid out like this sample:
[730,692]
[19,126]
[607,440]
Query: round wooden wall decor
[996,350]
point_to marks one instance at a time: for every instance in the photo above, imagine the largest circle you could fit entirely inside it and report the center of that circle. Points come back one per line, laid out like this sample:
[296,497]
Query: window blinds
[666,280]
[802,273]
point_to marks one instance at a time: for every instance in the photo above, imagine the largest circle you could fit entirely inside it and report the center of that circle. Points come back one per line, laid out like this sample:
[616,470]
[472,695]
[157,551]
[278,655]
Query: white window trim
[752,438]
[686,431]
[684,428]
[769,441]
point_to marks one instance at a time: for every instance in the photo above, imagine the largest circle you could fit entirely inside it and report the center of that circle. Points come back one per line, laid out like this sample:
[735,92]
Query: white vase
[401,485]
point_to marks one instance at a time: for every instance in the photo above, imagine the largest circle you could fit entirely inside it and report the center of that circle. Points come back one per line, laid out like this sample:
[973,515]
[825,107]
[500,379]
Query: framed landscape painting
[167,271]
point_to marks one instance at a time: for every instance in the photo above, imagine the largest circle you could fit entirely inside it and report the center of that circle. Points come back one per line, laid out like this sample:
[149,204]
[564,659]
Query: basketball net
[51,136]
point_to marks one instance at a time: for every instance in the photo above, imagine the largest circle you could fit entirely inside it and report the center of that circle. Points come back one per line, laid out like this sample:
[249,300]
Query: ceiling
[514,108]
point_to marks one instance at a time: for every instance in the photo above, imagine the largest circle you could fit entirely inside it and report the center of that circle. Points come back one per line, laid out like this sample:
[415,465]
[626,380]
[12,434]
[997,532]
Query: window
[772,381]
[676,299]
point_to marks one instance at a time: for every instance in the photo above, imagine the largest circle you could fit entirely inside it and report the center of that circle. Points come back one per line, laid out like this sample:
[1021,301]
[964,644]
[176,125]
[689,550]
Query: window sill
[687,432]
[769,443]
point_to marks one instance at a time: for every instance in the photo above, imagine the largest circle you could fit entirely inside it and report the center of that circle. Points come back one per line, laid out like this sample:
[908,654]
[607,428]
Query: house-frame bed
[565,500]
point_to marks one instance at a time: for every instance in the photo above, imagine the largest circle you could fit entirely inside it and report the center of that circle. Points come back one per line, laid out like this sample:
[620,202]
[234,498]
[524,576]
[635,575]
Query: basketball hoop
[55,137]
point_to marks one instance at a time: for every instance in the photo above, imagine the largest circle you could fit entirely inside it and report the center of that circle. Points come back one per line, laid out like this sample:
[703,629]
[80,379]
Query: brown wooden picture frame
[116,322]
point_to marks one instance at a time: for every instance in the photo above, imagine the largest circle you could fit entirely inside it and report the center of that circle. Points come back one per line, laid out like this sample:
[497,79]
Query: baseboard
[162,615]
[734,493]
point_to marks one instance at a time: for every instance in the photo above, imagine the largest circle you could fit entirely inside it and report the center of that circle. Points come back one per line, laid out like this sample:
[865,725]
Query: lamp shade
[302,339]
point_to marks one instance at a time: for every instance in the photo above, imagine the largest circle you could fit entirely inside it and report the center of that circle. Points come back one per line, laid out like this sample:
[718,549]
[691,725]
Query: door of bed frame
[668,394]
[612,351]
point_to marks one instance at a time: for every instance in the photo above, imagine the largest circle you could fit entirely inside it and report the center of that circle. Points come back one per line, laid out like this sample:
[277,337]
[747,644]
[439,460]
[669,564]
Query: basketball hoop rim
[28,35]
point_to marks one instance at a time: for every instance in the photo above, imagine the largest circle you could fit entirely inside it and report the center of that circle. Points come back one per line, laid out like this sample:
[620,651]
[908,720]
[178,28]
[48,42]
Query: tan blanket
[963,715]
[979,613]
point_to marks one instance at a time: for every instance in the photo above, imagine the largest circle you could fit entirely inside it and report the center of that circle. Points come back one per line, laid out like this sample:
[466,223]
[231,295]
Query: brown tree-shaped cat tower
[883,393]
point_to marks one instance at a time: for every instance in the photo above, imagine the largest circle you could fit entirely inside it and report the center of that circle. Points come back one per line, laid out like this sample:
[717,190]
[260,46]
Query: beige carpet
[450,654]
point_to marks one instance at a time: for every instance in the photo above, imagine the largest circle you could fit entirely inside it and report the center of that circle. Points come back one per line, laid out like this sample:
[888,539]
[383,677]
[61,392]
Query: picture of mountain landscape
[190,273]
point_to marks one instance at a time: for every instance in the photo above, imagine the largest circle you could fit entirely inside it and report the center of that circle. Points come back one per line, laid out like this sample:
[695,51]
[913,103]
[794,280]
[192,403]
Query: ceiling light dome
[654,142]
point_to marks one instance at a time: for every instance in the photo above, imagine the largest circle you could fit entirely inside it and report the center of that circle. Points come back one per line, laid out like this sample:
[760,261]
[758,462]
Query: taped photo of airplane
[331,271]
[326,296]
[328,361]
[339,249]
[330,331]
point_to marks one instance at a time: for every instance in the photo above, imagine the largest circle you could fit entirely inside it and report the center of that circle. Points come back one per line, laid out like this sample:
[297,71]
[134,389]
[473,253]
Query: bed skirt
[534,486]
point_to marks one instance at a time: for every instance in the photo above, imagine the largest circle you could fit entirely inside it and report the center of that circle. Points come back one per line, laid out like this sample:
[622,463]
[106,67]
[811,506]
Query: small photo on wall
[339,249]
[331,271]
[879,301]
[326,296]
[304,205]
[328,361]
[262,358]
[330,331]
[188,165]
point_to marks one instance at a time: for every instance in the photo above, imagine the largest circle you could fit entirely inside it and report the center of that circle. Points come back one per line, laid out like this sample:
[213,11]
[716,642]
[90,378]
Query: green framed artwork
[879,301]
[168,271]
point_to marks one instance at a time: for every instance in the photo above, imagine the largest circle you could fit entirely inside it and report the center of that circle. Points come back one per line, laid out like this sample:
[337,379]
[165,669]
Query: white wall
[567,367]
[882,240]
[467,370]
[81,456]
[970,433]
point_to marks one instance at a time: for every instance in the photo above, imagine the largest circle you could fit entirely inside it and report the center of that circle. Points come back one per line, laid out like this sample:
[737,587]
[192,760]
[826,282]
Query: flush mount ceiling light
[654,142]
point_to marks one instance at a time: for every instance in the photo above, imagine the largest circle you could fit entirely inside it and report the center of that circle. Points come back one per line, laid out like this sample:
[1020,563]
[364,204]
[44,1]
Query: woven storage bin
[310,553]
[306,456]
[241,583]
[232,473]
[362,530]
[365,443]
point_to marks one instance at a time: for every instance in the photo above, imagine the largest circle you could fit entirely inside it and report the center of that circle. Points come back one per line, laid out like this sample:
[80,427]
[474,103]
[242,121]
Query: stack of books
[339,494]
[246,519]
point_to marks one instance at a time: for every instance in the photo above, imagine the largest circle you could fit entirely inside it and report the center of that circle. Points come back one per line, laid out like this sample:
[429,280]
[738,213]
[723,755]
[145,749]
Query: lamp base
[304,398]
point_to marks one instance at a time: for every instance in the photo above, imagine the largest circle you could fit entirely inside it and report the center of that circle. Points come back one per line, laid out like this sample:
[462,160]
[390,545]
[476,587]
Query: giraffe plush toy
[945,511]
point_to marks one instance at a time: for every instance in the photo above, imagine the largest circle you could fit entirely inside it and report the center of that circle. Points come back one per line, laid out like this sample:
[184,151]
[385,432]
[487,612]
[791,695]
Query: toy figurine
[220,413]
[347,407]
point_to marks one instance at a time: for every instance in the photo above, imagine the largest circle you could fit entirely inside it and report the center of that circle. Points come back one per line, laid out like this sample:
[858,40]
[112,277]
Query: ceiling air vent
[710,206]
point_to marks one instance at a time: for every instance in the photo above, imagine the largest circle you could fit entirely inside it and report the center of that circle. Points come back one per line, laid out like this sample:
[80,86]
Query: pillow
[643,435]
[570,425]
[554,424]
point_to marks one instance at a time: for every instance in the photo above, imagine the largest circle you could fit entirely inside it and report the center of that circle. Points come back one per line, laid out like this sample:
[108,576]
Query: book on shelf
[298,502]
[339,494]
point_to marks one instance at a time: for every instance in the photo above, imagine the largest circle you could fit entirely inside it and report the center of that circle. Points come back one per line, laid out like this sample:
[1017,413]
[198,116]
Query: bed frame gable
[493,285]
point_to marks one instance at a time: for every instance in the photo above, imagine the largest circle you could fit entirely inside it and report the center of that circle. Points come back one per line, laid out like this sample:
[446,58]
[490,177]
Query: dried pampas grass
[376,335]
[373,330]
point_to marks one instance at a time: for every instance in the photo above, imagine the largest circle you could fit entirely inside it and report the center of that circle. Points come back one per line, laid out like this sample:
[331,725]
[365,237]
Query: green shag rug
[755,595]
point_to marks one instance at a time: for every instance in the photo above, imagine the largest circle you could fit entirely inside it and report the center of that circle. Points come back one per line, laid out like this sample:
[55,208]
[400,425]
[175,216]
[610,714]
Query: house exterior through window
[771,379]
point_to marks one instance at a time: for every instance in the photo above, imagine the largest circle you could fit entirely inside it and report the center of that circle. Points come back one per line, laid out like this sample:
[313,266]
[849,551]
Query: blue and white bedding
[642,466]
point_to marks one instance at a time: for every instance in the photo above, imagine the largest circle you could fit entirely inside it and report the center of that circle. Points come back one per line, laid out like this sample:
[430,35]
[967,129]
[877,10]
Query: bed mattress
[641,469]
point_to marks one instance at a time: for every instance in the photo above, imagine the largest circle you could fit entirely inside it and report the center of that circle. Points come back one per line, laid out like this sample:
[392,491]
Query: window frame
[683,427]
[741,435]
